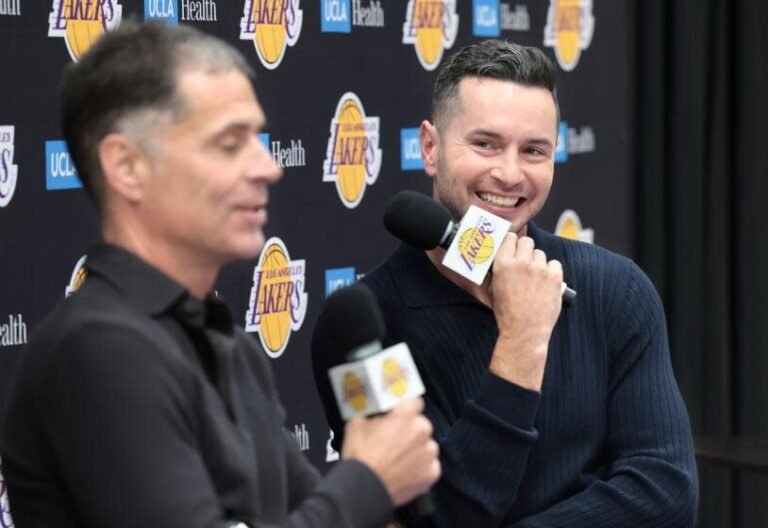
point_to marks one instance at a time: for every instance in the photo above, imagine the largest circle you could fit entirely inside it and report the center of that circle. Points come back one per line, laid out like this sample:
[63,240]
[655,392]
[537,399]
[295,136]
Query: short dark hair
[494,59]
[129,73]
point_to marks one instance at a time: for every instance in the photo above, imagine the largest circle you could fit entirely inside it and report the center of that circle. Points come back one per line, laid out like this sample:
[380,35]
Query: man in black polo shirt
[138,402]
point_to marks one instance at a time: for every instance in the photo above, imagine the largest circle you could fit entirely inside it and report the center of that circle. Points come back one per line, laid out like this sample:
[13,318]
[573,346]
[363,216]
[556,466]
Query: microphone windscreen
[352,318]
[416,219]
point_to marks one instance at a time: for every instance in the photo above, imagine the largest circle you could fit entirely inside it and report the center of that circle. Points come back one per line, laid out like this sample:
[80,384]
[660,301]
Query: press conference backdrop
[345,85]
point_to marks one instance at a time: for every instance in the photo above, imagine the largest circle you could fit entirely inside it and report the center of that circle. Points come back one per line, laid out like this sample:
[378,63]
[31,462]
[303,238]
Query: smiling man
[546,416]
[138,403]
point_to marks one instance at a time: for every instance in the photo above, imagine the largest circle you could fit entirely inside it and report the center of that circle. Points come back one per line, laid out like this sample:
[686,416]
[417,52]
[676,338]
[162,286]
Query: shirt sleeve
[120,425]
[652,479]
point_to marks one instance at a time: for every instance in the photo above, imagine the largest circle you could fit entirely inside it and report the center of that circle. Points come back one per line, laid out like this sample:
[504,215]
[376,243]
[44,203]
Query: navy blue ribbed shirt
[607,442]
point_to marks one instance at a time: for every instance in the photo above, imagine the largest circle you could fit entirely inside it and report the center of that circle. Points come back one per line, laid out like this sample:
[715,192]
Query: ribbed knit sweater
[607,442]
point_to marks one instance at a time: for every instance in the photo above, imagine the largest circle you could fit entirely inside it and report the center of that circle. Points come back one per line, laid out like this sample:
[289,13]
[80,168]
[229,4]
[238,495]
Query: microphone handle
[423,507]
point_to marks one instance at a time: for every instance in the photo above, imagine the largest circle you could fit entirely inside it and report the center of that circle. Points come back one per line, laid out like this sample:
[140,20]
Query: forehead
[496,101]
[212,98]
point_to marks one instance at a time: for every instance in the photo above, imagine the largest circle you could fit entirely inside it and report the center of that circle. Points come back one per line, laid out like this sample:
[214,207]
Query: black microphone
[424,223]
[354,323]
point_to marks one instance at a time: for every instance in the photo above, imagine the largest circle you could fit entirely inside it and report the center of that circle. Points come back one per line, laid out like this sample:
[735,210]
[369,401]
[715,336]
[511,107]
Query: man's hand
[398,447]
[526,297]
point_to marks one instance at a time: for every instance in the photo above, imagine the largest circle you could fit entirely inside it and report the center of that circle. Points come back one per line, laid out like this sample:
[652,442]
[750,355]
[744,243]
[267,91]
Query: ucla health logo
[410,150]
[288,153]
[573,141]
[569,30]
[353,158]
[337,278]
[561,148]
[8,171]
[485,18]
[191,10]
[431,26]
[60,171]
[569,226]
[82,22]
[272,25]
[278,301]
[338,16]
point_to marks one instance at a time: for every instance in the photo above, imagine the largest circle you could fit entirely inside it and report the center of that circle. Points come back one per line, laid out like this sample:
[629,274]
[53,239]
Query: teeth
[498,200]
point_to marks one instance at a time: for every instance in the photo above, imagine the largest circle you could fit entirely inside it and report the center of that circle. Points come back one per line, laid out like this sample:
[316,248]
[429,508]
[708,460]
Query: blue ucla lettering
[161,8]
[412,149]
[335,11]
[486,16]
[61,166]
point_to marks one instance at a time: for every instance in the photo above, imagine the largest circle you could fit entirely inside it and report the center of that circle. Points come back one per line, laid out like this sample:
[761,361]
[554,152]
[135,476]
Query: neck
[481,293]
[196,274]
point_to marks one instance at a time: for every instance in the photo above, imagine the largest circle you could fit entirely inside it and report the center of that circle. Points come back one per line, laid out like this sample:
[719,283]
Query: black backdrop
[45,231]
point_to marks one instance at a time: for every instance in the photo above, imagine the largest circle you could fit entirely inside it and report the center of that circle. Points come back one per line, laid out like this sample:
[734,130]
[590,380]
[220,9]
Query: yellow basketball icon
[429,32]
[81,34]
[570,229]
[394,377]
[568,29]
[350,150]
[475,245]
[275,325]
[354,391]
[270,35]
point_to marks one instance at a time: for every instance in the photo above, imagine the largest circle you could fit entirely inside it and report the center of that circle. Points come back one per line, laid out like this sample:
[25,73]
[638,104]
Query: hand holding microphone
[398,444]
[471,244]
[526,291]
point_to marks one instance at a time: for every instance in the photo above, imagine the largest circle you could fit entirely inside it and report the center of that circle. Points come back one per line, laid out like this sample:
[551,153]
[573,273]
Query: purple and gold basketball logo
[278,301]
[431,26]
[82,22]
[476,245]
[394,376]
[354,391]
[569,30]
[9,171]
[272,25]
[353,158]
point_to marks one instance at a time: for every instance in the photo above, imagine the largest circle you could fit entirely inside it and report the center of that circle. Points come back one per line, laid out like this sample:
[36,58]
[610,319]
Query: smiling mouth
[500,201]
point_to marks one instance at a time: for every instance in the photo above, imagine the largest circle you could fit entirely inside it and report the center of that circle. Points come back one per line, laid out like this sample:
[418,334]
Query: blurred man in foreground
[546,416]
[138,402]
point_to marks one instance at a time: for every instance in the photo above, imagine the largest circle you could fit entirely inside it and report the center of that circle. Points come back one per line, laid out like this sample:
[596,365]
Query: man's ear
[430,143]
[125,166]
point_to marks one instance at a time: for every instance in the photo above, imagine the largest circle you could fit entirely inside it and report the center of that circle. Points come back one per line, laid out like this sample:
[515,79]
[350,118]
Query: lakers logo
[278,302]
[353,158]
[78,277]
[272,25]
[569,226]
[82,22]
[431,26]
[8,170]
[394,376]
[476,245]
[569,30]
[354,391]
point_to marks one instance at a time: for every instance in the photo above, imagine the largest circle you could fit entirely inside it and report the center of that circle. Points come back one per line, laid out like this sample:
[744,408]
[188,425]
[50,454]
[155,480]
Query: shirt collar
[421,284]
[152,291]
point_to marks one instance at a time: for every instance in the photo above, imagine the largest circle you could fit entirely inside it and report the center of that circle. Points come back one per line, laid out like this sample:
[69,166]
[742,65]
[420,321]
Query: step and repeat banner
[319,64]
